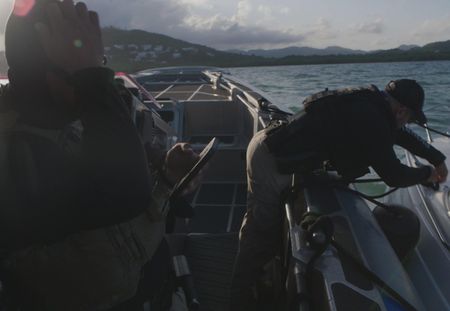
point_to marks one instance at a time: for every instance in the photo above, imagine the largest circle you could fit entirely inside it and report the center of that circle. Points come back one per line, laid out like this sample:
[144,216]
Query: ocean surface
[287,86]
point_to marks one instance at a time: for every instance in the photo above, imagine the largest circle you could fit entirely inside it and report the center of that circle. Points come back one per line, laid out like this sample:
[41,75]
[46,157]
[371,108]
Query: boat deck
[190,88]
[218,206]
[199,111]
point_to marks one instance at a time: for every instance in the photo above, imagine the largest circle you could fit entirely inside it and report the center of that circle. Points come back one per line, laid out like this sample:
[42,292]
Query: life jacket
[88,270]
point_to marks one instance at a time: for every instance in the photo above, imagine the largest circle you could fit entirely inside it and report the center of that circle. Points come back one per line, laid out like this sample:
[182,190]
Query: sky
[249,24]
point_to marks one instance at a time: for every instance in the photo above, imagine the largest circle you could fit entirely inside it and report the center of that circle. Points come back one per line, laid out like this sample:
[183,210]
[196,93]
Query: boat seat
[205,119]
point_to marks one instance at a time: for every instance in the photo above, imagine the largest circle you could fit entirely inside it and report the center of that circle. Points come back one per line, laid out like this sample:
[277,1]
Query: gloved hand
[72,37]
[442,172]
[179,161]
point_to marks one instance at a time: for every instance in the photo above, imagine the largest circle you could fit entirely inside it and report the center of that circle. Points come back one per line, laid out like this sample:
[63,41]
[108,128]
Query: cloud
[322,30]
[196,2]
[156,15]
[374,27]
[225,33]
[238,36]
[193,21]
[265,11]
[285,10]
[175,18]
[5,10]
[244,12]
[432,30]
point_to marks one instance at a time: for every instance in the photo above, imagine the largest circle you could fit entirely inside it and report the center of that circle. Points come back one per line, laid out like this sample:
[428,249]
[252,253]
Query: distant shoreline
[135,50]
[122,61]
[272,64]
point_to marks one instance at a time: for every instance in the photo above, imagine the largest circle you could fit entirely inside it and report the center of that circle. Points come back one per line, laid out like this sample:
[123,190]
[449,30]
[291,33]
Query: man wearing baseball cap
[352,129]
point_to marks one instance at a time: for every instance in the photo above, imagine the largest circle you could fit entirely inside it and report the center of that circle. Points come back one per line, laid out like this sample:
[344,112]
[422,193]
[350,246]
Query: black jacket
[355,129]
[54,190]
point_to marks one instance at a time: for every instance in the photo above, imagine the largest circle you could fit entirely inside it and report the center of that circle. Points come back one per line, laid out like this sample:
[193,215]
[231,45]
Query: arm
[409,140]
[378,141]
[113,164]
[113,160]
[396,174]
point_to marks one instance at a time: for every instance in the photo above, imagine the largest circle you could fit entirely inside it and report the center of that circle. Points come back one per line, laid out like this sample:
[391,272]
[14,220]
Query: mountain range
[299,51]
[134,50]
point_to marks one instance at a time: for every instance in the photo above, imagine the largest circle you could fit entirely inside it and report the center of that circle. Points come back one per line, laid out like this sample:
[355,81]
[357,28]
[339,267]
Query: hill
[437,47]
[300,51]
[132,50]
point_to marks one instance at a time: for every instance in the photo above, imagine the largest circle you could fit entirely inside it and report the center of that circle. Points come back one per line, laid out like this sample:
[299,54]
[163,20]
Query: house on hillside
[146,47]
[140,56]
[190,50]
[158,48]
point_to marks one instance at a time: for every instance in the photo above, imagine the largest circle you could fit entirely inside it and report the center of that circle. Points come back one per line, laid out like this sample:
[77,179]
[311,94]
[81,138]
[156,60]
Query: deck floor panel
[211,259]
[210,218]
[216,194]
[218,207]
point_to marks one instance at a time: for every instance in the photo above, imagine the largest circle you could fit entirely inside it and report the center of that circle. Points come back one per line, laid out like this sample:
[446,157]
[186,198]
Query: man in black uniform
[352,129]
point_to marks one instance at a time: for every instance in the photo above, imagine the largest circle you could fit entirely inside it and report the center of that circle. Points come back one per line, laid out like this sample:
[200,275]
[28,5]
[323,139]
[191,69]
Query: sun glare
[23,7]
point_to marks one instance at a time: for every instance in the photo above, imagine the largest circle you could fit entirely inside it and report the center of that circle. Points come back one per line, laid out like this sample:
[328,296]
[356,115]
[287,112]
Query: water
[287,86]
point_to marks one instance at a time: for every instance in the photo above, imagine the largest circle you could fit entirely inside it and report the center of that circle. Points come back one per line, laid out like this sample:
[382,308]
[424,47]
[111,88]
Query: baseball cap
[410,94]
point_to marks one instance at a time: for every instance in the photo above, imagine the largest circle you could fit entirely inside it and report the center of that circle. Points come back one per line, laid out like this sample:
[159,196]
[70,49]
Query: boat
[199,103]
[345,263]
[429,265]
[359,270]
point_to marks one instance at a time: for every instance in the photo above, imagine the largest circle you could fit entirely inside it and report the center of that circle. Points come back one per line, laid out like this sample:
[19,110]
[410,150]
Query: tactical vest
[321,110]
[311,102]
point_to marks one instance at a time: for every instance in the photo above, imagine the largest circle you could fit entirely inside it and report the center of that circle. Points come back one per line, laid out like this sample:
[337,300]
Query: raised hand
[179,160]
[72,38]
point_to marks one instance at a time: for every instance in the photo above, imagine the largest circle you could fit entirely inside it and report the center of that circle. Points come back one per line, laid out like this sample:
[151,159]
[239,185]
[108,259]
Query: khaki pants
[260,233]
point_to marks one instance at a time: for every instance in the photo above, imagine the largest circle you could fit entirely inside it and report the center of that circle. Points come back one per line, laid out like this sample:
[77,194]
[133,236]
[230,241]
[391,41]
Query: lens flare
[78,43]
[23,7]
